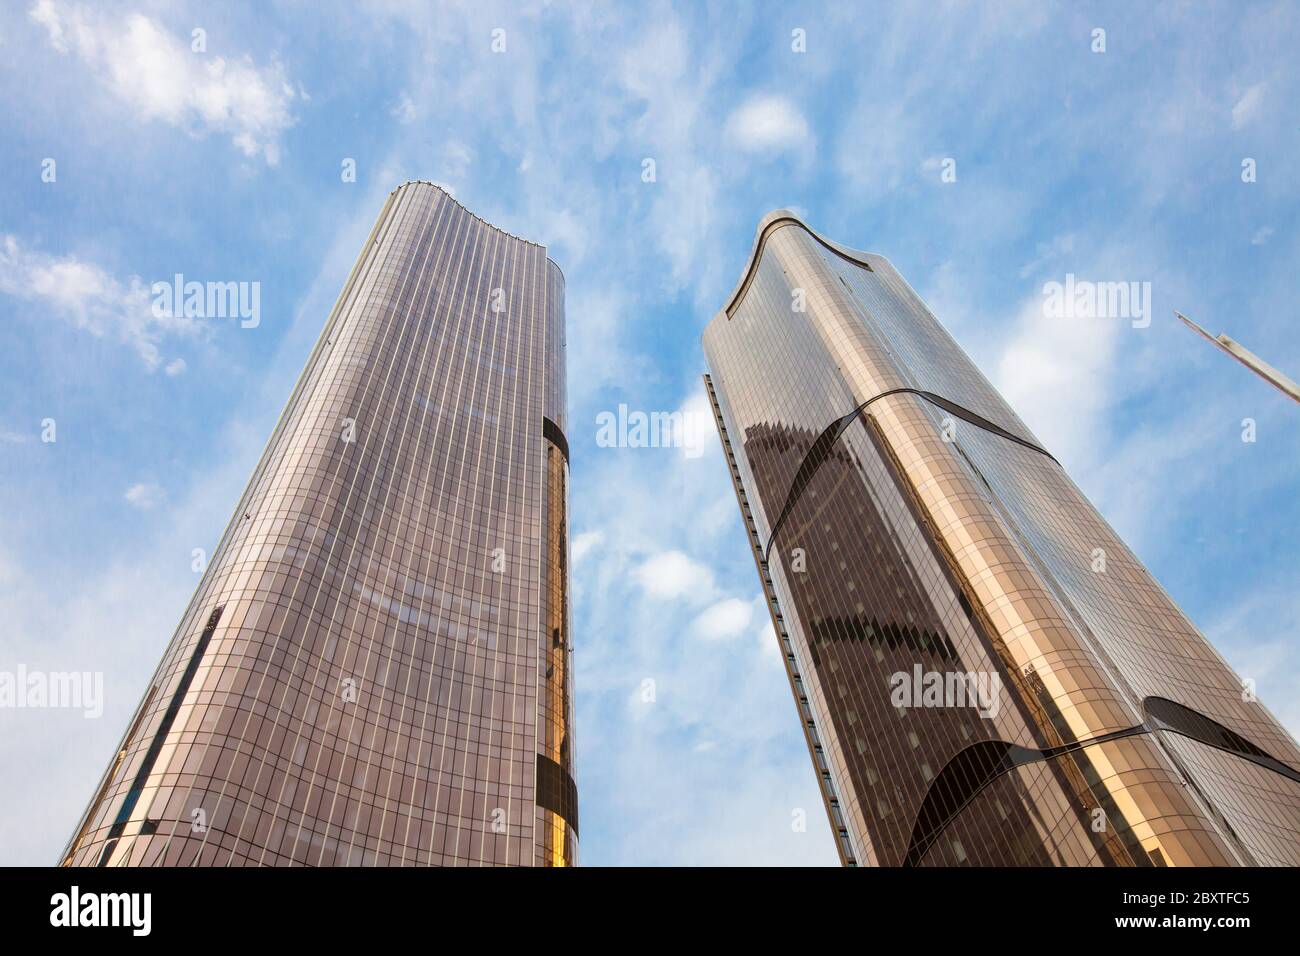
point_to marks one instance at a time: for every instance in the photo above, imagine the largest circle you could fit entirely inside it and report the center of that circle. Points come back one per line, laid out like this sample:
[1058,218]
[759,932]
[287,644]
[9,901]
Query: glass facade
[376,666]
[985,673]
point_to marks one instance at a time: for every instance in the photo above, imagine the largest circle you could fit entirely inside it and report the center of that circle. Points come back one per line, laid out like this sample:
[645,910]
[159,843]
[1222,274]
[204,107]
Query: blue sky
[224,165]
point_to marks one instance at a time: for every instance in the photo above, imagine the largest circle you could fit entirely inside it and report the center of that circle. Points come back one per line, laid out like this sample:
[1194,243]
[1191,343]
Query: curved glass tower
[984,672]
[375,668]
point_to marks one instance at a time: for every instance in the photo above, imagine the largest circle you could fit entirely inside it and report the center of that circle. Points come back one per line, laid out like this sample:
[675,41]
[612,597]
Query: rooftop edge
[443,189]
[766,226]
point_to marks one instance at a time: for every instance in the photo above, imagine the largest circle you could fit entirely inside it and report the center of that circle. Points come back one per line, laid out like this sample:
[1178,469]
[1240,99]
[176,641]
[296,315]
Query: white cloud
[44,14]
[727,618]
[671,574]
[768,124]
[175,367]
[91,299]
[1247,107]
[584,543]
[144,495]
[160,78]
[768,644]
[1054,372]
[404,111]
[1262,236]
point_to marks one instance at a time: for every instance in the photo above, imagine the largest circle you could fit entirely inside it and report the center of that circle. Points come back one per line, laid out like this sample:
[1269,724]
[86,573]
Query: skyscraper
[375,668]
[984,672]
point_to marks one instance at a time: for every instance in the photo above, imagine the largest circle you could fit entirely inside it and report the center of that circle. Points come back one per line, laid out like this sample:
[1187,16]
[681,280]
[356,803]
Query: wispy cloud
[584,544]
[404,111]
[1047,252]
[145,495]
[86,295]
[160,77]
[1247,106]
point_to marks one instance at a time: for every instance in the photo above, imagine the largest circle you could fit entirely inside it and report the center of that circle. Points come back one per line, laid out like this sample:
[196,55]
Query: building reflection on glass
[905,521]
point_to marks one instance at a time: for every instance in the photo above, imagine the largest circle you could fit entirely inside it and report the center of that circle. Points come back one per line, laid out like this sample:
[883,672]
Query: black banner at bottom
[208,907]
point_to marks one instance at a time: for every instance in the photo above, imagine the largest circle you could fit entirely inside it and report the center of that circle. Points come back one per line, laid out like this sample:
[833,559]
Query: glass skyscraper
[376,666]
[984,672]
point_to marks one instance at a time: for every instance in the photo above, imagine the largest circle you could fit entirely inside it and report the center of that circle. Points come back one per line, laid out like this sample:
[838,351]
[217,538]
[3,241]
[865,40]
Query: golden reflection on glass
[931,533]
